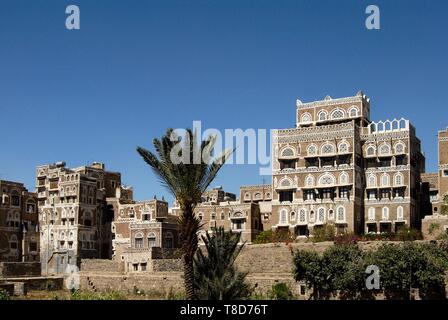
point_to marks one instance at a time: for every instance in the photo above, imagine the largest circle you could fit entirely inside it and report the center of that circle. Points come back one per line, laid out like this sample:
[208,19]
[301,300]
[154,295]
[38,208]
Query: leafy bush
[346,238]
[340,270]
[270,236]
[281,291]
[325,232]
[4,295]
[407,234]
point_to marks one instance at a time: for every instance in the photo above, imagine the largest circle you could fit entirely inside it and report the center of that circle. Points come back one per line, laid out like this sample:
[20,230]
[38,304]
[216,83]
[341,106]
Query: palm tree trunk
[188,230]
[188,278]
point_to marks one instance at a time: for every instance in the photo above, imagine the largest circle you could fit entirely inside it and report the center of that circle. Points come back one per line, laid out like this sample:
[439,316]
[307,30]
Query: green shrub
[4,295]
[281,291]
[407,234]
[325,232]
[270,236]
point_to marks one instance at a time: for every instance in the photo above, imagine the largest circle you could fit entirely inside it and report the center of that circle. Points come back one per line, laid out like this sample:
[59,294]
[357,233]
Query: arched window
[322,115]
[370,150]
[371,214]
[398,179]
[257,195]
[222,215]
[343,147]
[399,148]
[341,214]
[293,216]
[302,217]
[285,182]
[400,213]
[330,214]
[213,216]
[30,207]
[247,196]
[385,215]
[353,112]
[312,215]
[309,181]
[13,242]
[312,150]
[200,216]
[343,178]
[326,179]
[306,117]
[321,215]
[283,216]
[15,199]
[337,114]
[327,149]
[169,240]
[288,152]
[384,149]
[138,240]
[385,180]
[372,181]
[152,240]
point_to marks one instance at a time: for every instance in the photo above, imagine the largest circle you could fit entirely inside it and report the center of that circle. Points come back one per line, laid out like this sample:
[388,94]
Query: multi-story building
[138,228]
[435,224]
[339,167]
[225,211]
[73,216]
[19,230]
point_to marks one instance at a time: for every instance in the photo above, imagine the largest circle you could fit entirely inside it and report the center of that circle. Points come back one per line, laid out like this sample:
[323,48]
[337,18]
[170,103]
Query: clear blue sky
[137,67]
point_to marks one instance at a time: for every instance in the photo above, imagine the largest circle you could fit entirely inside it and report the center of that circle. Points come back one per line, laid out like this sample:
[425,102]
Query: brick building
[73,216]
[19,233]
[339,167]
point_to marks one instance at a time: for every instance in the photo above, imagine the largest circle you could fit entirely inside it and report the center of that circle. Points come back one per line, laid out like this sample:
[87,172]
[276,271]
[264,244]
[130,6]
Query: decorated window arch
[371,182]
[385,213]
[398,179]
[384,149]
[337,114]
[283,216]
[326,179]
[312,150]
[309,181]
[400,213]
[385,180]
[322,115]
[343,178]
[370,150]
[321,214]
[353,111]
[302,215]
[306,117]
[327,148]
[288,152]
[399,147]
[343,147]
[340,214]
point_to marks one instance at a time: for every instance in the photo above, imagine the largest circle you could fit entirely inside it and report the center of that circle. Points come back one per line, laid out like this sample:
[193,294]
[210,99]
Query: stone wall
[101,265]
[167,265]
[158,284]
[19,269]
[434,226]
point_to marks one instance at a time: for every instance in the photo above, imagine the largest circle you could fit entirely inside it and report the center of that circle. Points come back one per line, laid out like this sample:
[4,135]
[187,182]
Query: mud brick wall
[19,269]
[101,265]
[164,265]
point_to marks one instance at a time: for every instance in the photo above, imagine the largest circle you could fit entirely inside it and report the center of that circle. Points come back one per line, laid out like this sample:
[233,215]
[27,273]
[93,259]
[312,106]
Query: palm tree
[215,275]
[186,169]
